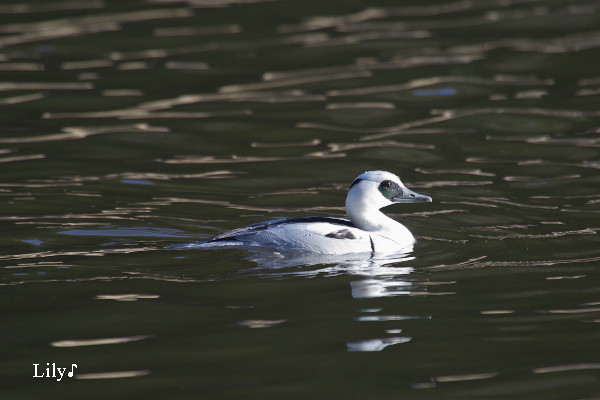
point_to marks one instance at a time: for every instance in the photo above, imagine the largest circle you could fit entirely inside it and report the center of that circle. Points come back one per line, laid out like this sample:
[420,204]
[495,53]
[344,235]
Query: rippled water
[130,126]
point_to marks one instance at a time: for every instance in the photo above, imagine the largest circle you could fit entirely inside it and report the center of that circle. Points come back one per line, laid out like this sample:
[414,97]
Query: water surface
[131,126]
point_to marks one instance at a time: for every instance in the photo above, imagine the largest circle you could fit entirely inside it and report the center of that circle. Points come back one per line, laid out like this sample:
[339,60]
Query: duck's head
[378,189]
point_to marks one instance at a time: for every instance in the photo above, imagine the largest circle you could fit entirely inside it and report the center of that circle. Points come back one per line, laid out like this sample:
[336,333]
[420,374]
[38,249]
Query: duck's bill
[408,196]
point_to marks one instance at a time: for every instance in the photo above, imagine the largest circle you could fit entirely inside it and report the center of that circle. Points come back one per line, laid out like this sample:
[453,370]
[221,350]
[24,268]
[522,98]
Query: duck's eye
[390,189]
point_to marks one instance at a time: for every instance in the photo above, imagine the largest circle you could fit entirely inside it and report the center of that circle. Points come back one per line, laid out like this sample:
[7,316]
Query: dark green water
[127,126]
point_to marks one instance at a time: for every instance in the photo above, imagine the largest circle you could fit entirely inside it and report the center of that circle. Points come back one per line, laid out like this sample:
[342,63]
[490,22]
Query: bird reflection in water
[381,276]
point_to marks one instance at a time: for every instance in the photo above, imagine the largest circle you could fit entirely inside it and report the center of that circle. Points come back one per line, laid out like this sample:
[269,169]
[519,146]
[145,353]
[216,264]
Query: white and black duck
[366,230]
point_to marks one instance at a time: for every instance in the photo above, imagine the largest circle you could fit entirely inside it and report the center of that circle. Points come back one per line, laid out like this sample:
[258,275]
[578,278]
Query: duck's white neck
[365,215]
[377,222]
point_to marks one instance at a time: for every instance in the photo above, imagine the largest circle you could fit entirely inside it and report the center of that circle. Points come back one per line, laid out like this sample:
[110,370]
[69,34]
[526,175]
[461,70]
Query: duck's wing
[342,223]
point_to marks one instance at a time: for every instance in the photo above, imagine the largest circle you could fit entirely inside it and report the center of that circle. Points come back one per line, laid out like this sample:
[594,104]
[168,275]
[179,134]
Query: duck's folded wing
[261,226]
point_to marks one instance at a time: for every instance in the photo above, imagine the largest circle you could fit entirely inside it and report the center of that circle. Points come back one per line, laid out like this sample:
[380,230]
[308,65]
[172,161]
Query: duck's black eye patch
[390,189]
